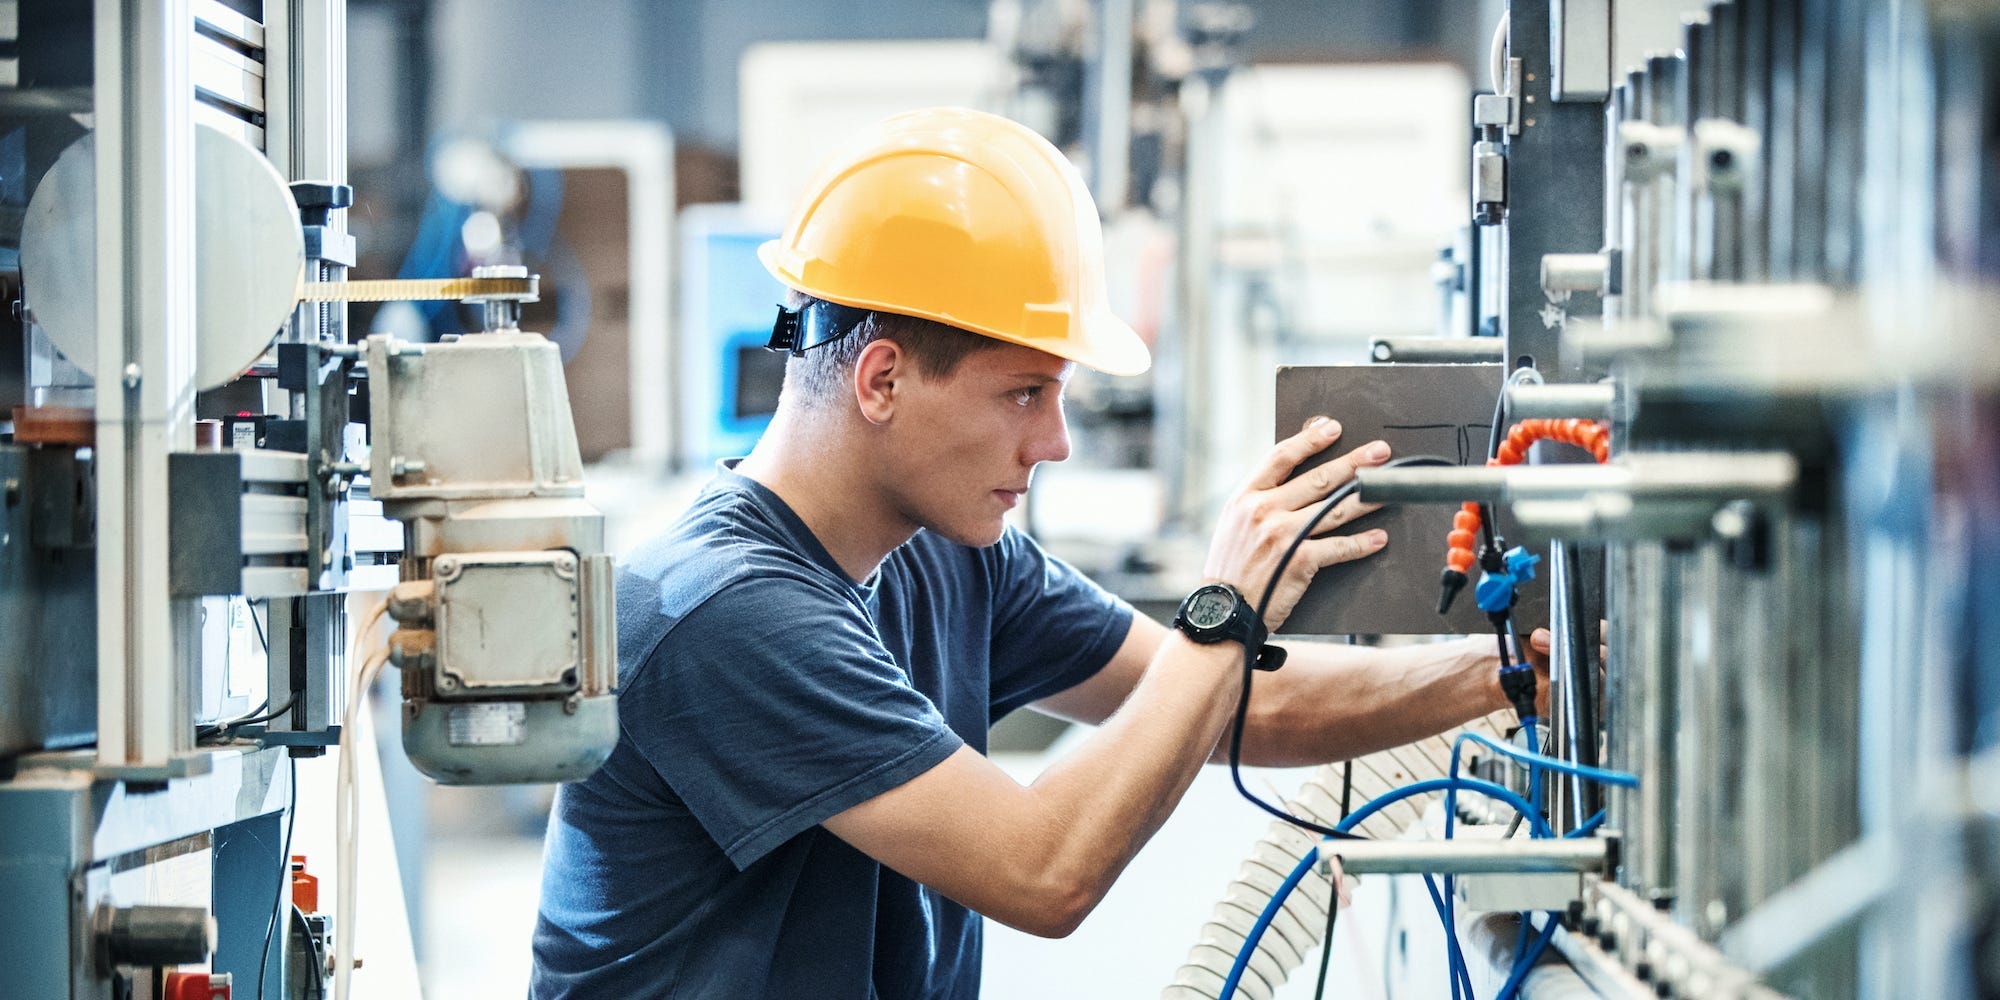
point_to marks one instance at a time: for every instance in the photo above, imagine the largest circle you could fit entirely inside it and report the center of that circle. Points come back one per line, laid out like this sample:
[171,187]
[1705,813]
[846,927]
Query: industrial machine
[202,468]
[1743,253]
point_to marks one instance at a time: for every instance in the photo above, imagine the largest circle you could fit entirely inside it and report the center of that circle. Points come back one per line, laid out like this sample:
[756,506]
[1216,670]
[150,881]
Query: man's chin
[976,536]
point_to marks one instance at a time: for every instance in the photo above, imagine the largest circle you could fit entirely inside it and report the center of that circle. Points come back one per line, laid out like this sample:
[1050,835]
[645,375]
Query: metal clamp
[1724,156]
[1651,151]
[1560,401]
[1467,857]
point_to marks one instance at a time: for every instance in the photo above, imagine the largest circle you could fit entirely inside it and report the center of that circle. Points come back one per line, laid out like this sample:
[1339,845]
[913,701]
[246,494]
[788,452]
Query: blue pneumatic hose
[1373,806]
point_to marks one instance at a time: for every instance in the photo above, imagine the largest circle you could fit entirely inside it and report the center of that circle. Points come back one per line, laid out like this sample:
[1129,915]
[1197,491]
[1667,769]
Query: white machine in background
[1318,196]
[195,437]
[800,100]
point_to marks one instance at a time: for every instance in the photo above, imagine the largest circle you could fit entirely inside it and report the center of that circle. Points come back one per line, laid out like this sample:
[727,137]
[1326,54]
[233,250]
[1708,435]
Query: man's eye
[1023,397]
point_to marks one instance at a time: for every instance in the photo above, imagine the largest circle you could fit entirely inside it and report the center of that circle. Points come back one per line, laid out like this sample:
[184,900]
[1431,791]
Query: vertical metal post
[1572,723]
[1555,200]
[1107,127]
[1188,368]
[306,138]
[305,78]
[146,355]
[649,232]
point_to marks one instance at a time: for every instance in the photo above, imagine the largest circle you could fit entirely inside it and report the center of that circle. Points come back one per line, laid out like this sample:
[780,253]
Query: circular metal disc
[59,253]
[249,254]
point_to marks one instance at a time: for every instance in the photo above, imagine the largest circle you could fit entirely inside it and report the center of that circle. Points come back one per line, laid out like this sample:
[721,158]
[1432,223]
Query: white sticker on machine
[487,724]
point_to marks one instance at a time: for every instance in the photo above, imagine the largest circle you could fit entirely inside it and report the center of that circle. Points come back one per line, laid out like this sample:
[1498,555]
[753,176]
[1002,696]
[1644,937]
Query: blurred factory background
[1753,239]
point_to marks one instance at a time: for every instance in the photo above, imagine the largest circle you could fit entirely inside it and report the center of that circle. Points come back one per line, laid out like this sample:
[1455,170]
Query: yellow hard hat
[965,218]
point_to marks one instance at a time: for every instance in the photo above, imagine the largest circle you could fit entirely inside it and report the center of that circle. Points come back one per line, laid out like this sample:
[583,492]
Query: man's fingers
[1344,548]
[1310,487]
[1313,439]
[1343,513]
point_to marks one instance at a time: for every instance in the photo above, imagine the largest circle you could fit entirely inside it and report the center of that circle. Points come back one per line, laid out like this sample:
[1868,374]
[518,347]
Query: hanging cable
[284,874]
[1250,655]
[347,798]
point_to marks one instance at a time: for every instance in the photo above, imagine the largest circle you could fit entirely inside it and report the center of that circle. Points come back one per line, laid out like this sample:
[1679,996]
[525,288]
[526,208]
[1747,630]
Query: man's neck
[821,473]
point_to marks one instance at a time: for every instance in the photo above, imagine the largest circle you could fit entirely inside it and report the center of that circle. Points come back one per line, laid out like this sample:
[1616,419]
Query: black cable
[210,732]
[1346,789]
[284,877]
[1250,655]
[1499,417]
[1333,907]
[259,626]
[1326,949]
[1493,452]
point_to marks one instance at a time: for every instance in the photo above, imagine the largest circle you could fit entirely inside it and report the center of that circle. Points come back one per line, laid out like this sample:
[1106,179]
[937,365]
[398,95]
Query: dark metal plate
[1442,410]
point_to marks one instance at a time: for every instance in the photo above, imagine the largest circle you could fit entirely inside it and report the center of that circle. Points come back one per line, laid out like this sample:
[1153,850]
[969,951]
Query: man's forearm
[1337,702]
[1117,787]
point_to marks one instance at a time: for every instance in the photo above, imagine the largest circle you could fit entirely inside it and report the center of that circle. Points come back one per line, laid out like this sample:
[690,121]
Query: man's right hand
[1260,521]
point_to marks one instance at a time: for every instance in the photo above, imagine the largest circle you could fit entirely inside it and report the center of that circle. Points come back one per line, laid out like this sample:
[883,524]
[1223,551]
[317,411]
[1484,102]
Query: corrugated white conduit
[1298,926]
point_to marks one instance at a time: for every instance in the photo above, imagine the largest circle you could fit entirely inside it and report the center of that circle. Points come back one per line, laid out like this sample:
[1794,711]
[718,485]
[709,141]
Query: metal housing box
[507,622]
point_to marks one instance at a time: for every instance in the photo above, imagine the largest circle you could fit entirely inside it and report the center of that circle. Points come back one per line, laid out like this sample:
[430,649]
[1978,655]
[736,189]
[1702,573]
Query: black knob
[318,199]
[153,935]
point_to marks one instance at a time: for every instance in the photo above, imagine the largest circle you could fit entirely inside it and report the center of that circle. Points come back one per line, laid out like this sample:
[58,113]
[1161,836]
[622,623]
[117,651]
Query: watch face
[1210,607]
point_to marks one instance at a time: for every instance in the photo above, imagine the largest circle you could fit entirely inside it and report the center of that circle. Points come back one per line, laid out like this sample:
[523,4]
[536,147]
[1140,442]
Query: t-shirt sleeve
[771,707]
[1053,627]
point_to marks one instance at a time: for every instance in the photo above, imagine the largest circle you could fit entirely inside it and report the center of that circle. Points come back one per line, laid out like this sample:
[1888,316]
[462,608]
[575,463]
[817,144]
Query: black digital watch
[1218,612]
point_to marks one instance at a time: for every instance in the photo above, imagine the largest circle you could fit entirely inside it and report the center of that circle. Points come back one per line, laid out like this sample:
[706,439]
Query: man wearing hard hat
[799,805]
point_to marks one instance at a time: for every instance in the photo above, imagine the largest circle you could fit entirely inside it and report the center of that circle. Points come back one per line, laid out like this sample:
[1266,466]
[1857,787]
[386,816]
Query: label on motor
[487,724]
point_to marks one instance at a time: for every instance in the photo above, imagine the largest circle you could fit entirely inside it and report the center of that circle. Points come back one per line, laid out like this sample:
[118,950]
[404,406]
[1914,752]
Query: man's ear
[876,374]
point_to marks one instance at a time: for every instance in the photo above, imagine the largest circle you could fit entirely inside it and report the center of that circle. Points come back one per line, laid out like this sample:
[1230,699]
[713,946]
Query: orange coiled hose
[1589,435]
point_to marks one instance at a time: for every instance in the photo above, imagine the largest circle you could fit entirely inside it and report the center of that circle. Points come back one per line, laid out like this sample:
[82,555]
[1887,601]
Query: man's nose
[1051,444]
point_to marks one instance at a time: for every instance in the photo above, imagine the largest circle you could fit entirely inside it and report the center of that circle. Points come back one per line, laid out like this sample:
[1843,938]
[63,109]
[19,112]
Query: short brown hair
[822,373]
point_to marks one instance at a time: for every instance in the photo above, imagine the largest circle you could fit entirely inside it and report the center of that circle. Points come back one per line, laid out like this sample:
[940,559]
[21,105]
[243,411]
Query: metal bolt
[1731,522]
[132,376]
[447,683]
[400,467]
[572,704]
